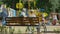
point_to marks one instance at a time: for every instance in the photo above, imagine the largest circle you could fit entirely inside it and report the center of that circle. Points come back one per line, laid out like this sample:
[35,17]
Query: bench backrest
[21,21]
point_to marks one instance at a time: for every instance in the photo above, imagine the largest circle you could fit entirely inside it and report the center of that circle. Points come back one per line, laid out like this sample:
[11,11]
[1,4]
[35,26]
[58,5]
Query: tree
[58,9]
[11,3]
[55,4]
[44,4]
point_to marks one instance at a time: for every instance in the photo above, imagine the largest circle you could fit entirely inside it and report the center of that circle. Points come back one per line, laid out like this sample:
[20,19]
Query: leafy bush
[1,2]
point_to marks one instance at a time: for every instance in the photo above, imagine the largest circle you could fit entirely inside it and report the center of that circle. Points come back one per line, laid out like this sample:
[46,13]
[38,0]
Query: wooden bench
[22,21]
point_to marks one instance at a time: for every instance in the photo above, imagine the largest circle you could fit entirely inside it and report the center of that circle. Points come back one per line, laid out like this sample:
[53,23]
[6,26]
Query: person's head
[31,11]
[24,10]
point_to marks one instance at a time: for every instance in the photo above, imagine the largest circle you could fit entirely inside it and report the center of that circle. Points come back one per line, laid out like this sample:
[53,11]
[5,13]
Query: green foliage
[32,4]
[11,3]
[44,4]
[1,2]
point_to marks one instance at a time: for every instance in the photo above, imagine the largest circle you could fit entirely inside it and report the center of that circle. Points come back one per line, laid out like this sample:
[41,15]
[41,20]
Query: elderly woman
[31,14]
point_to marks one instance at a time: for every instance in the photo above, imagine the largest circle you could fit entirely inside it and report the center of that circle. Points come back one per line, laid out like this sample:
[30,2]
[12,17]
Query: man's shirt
[23,14]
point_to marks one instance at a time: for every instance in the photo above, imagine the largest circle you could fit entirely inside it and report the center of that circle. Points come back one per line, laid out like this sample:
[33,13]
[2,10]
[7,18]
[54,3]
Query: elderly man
[23,13]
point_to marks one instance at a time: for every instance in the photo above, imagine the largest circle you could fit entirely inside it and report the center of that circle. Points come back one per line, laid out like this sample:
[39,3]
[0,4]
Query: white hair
[24,9]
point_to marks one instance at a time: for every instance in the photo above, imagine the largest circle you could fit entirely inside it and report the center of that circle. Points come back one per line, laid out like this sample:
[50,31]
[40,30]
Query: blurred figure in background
[4,13]
[54,16]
